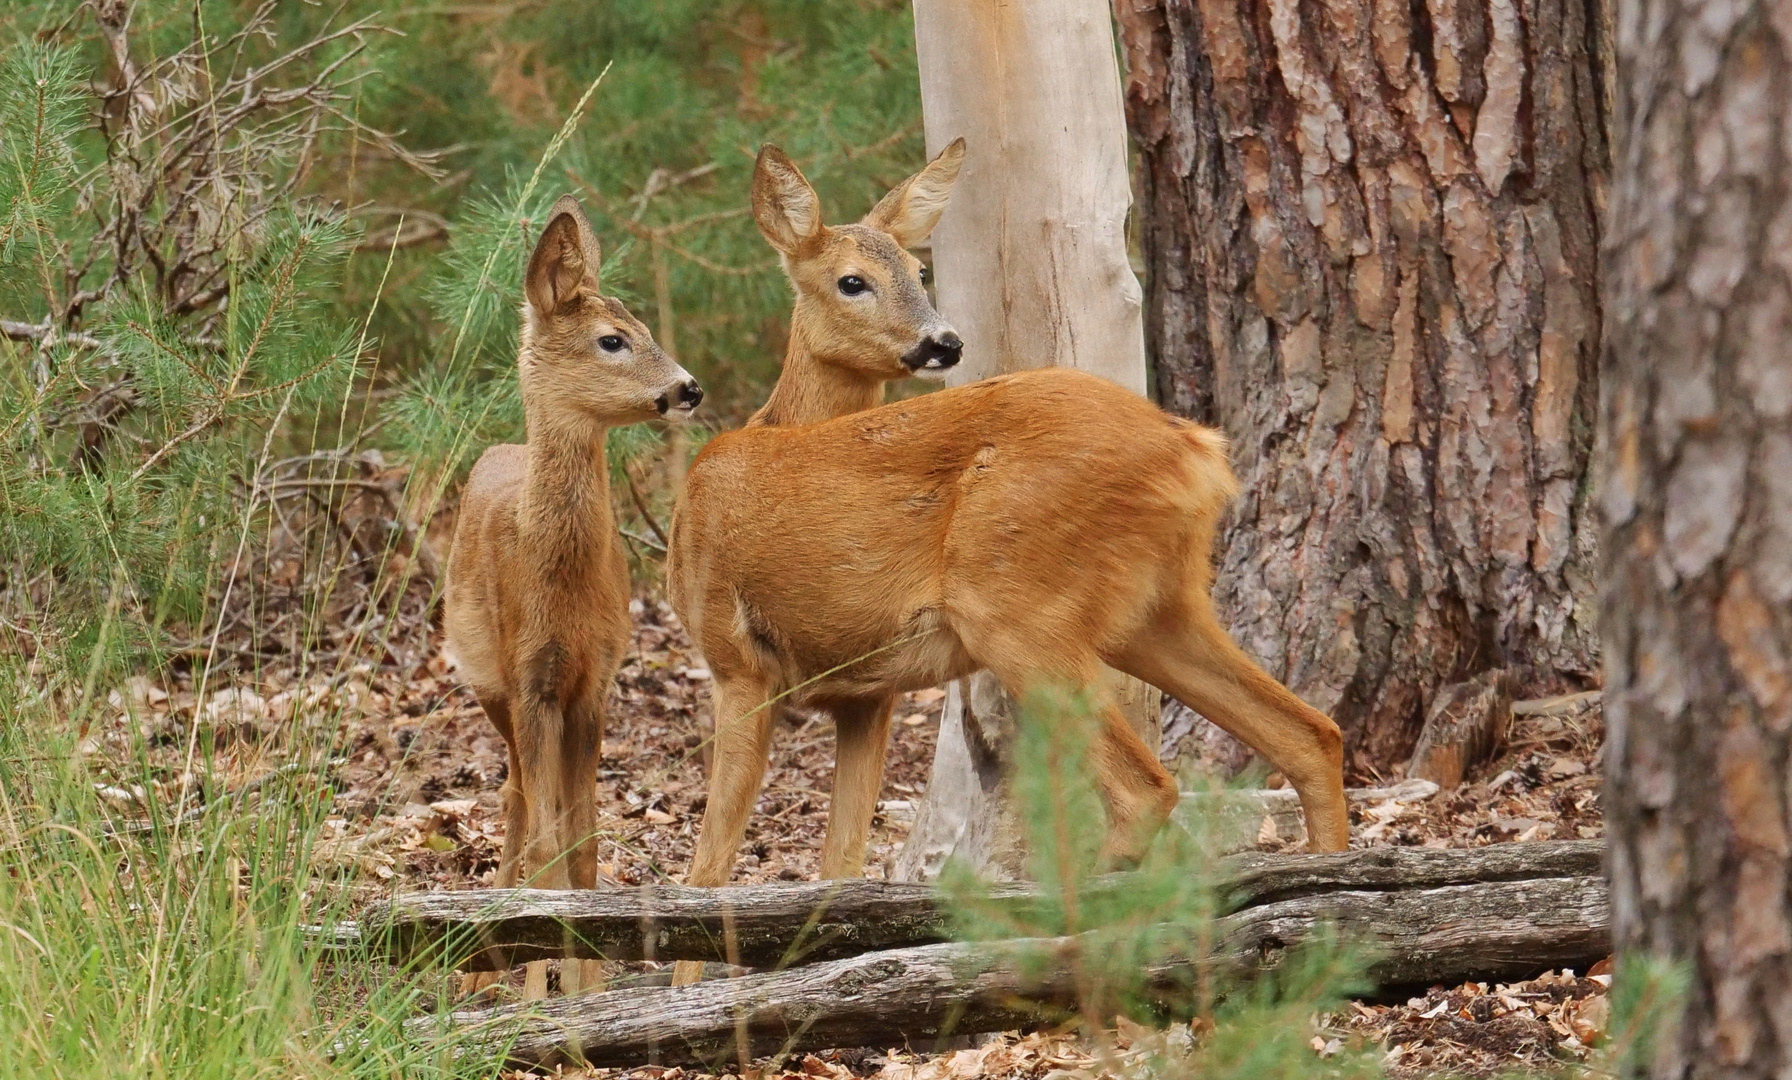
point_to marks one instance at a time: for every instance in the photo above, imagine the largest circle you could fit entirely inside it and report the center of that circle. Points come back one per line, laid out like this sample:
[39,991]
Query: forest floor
[416,806]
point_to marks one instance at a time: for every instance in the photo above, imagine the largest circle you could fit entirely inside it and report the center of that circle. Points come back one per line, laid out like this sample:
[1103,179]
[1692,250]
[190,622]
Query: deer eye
[610,343]
[926,275]
[853,285]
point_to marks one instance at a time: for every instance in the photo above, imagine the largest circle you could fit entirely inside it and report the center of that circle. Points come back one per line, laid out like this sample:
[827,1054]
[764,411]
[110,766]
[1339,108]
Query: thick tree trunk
[1032,270]
[1696,455]
[915,995]
[1371,234]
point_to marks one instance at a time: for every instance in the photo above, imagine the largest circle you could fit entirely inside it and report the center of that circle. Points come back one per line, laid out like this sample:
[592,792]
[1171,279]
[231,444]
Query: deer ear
[912,208]
[567,256]
[784,205]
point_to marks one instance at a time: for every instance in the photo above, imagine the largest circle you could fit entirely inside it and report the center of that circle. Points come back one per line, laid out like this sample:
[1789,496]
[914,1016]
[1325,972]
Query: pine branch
[44,335]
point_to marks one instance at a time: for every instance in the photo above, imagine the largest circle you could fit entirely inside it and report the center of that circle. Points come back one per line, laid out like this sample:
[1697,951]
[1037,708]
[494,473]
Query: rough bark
[1032,269]
[784,924]
[1370,229]
[1696,461]
[910,996]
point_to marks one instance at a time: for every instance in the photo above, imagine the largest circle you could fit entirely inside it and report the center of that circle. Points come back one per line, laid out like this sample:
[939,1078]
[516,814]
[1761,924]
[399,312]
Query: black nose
[687,395]
[936,352]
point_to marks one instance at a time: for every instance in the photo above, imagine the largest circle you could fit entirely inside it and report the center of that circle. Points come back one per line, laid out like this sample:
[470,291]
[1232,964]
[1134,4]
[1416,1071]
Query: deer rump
[1030,523]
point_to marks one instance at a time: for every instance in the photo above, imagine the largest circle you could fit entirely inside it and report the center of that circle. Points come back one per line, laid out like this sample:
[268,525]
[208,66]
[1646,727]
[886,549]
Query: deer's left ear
[785,206]
[912,208]
[567,256]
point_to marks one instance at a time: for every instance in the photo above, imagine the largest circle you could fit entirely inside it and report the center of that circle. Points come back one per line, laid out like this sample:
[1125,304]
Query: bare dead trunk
[1696,456]
[1033,271]
[1370,228]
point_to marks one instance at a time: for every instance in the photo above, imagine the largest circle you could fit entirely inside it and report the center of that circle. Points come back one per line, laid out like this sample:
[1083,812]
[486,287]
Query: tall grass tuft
[134,942]
[159,896]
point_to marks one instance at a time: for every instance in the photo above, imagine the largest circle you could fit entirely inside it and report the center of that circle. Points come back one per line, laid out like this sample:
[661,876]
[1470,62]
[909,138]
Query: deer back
[1051,496]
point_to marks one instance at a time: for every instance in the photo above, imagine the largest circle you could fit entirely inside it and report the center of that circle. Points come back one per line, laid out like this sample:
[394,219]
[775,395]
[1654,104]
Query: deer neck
[565,508]
[811,390]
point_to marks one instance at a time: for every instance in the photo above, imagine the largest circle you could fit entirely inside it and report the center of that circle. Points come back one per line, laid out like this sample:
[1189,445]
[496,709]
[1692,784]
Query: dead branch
[1466,725]
[414,229]
[43,334]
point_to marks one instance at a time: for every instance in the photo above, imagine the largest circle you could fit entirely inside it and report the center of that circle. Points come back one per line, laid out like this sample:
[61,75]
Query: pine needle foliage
[1165,911]
[168,306]
[662,161]
[1649,997]
[40,109]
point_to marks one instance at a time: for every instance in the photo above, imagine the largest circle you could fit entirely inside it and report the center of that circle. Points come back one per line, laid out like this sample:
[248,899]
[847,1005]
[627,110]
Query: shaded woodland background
[1416,517]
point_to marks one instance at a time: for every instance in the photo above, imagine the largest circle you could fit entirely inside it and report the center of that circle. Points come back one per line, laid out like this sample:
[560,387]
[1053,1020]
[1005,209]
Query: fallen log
[1258,878]
[1234,818]
[912,995]
[778,925]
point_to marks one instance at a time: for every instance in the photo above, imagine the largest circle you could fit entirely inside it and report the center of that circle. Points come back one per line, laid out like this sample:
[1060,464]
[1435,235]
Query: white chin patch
[932,371]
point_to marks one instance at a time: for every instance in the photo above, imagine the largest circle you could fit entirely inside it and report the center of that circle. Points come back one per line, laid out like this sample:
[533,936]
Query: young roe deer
[1037,524]
[536,608]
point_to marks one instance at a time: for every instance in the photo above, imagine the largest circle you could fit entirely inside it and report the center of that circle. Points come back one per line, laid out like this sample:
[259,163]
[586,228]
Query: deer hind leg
[1136,791]
[516,824]
[1191,656]
[515,806]
[861,741]
[743,726]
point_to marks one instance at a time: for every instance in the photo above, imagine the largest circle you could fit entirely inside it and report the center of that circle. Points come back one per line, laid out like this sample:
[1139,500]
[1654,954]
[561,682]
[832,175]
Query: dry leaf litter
[415,789]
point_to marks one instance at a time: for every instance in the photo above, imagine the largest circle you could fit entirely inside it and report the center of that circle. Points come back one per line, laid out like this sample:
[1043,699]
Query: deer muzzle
[935,352]
[683,396]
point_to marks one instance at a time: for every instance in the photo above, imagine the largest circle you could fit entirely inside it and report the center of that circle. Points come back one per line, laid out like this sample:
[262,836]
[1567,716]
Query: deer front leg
[861,741]
[516,825]
[540,730]
[580,756]
[743,726]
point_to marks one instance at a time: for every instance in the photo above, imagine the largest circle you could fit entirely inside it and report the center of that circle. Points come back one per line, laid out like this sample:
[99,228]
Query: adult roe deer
[536,608]
[1034,524]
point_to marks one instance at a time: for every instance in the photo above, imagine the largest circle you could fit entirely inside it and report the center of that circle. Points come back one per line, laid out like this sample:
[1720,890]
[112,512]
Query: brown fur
[1036,525]
[536,608]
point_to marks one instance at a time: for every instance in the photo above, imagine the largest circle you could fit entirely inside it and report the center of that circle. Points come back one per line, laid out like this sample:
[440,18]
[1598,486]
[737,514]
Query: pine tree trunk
[1372,241]
[1032,270]
[1696,461]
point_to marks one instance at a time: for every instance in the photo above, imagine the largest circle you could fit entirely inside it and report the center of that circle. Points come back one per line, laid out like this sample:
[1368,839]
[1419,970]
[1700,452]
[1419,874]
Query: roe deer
[1036,525]
[536,608]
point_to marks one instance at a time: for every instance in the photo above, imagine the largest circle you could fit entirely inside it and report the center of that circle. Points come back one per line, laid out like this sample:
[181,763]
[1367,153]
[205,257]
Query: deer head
[861,299]
[585,361]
